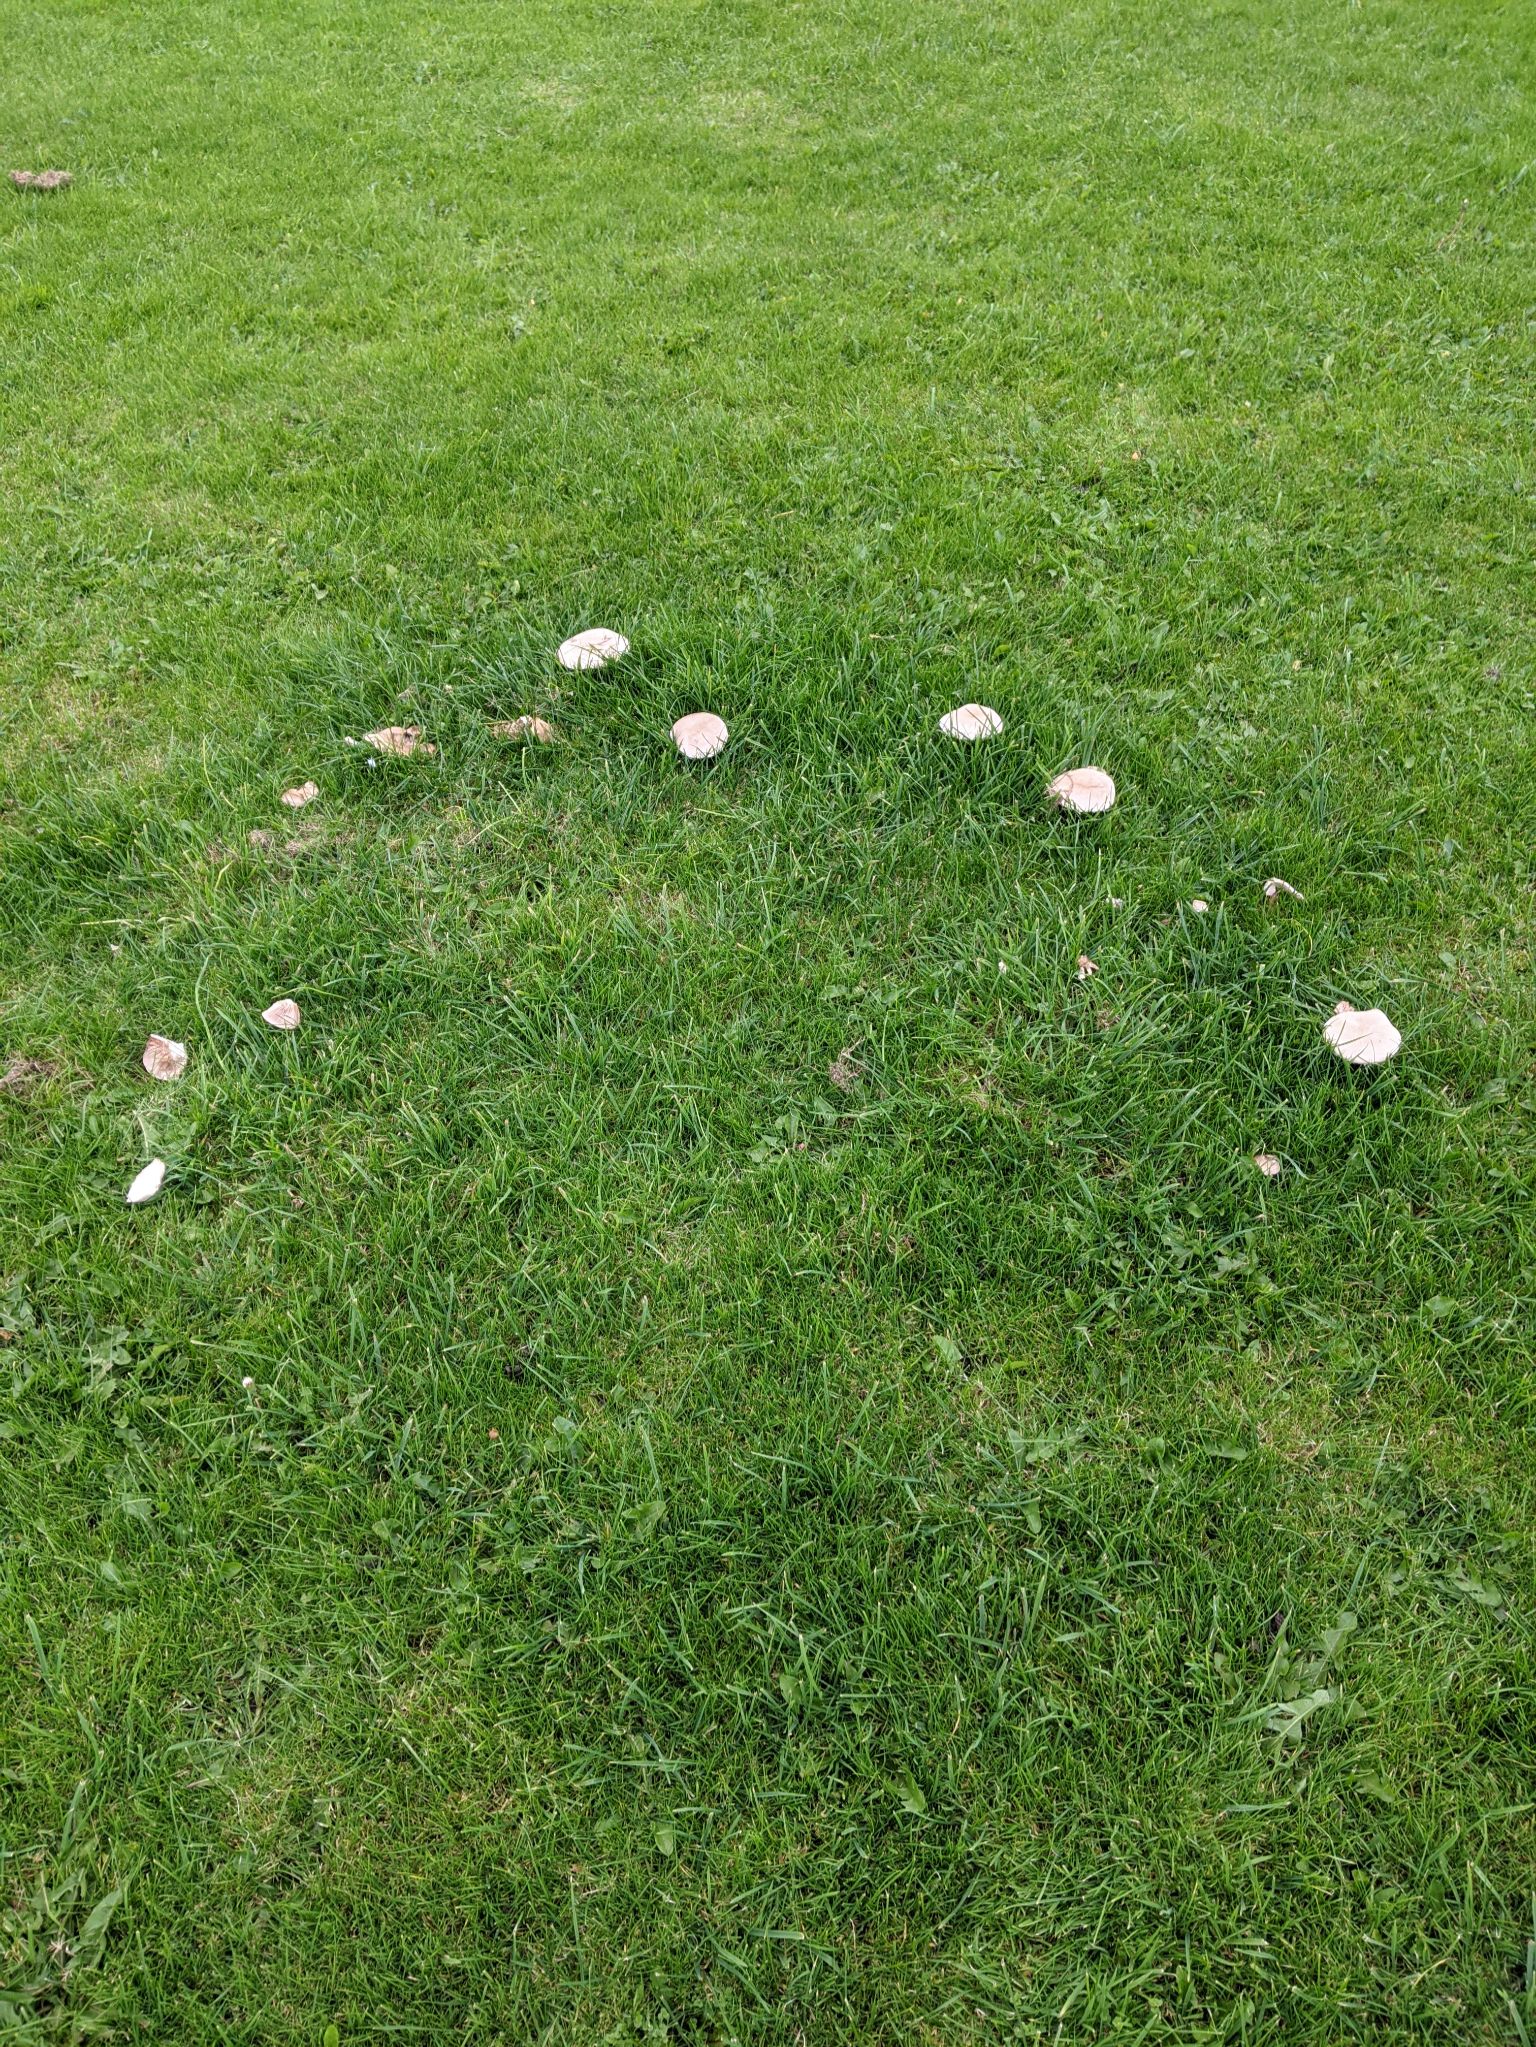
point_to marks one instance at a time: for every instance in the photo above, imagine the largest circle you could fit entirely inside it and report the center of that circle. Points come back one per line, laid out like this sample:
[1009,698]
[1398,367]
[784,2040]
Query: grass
[796,1484]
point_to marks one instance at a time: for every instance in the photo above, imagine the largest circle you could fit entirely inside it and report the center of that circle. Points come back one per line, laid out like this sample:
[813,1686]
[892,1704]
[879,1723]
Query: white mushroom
[1275,887]
[1267,1164]
[1086,790]
[282,1015]
[1199,905]
[971,721]
[1085,966]
[526,727]
[1364,1037]
[164,1059]
[400,740]
[700,736]
[592,648]
[146,1185]
[297,798]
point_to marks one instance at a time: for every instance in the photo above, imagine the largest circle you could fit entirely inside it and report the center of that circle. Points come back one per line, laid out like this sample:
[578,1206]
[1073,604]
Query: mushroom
[1363,1037]
[971,721]
[526,727]
[700,736]
[1085,790]
[592,648]
[400,740]
[164,1059]
[1199,905]
[146,1185]
[1274,888]
[1085,966]
[297,798]
[282,1015]
[1267,1164]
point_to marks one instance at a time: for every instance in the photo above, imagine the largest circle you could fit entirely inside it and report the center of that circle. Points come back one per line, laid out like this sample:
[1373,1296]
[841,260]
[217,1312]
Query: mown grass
[796,1483]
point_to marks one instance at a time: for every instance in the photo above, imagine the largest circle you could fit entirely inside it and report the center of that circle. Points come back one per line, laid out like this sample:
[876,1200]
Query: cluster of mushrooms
[1360,1037]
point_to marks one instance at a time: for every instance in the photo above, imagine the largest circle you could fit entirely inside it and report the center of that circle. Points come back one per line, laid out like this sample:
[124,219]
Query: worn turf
[718,1449]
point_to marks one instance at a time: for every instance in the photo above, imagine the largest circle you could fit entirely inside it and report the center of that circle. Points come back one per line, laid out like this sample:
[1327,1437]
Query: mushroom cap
[590,649]
[1085,790]
[700,736]
[400,740]
[1199,905]
[1363,1037]
[164,1058]
[282,1015]
[971,721]
[297,798]
[146,1185]
[1267,1164]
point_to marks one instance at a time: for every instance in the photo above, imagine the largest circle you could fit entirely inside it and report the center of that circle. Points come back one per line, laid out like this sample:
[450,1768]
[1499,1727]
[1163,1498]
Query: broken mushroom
[164,1058]
[971,721]
[1362,1037]
[297,798]
[1267,1164]
[700,736]
[282,1015]
[1085,966]
[400,740]
[526,727]
[1084,790]
[1274,888]
[592,648]
[146,1185]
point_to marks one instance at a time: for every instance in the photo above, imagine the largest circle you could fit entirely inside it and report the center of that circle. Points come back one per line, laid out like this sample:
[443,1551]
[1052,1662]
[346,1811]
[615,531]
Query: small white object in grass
[1085,966]
[247,1382]
[592,648]
[1267,1164]
[1199,905]
[297,798]
[526,727]
[164,1059]
[1117,902]
[1275,888]
[1085,790]
[971,721]
[1363,1037]
[146,1185]
[283,1015]
[400,740]
[700,736]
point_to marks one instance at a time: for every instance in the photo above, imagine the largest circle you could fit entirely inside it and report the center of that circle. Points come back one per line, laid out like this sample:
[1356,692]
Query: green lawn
[796,1483]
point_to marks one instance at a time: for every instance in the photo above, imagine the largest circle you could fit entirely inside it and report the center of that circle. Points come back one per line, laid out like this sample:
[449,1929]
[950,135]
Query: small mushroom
[526,727]
[971,721]
[1085,790]
[164,1058]
[1274,888]
[1085,966]
[146,1185]
[1200,906]
[400,740]
[1363,1037]
[592,648]
[282,1015]
[297,798]
[700,736]
[1267,1164]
